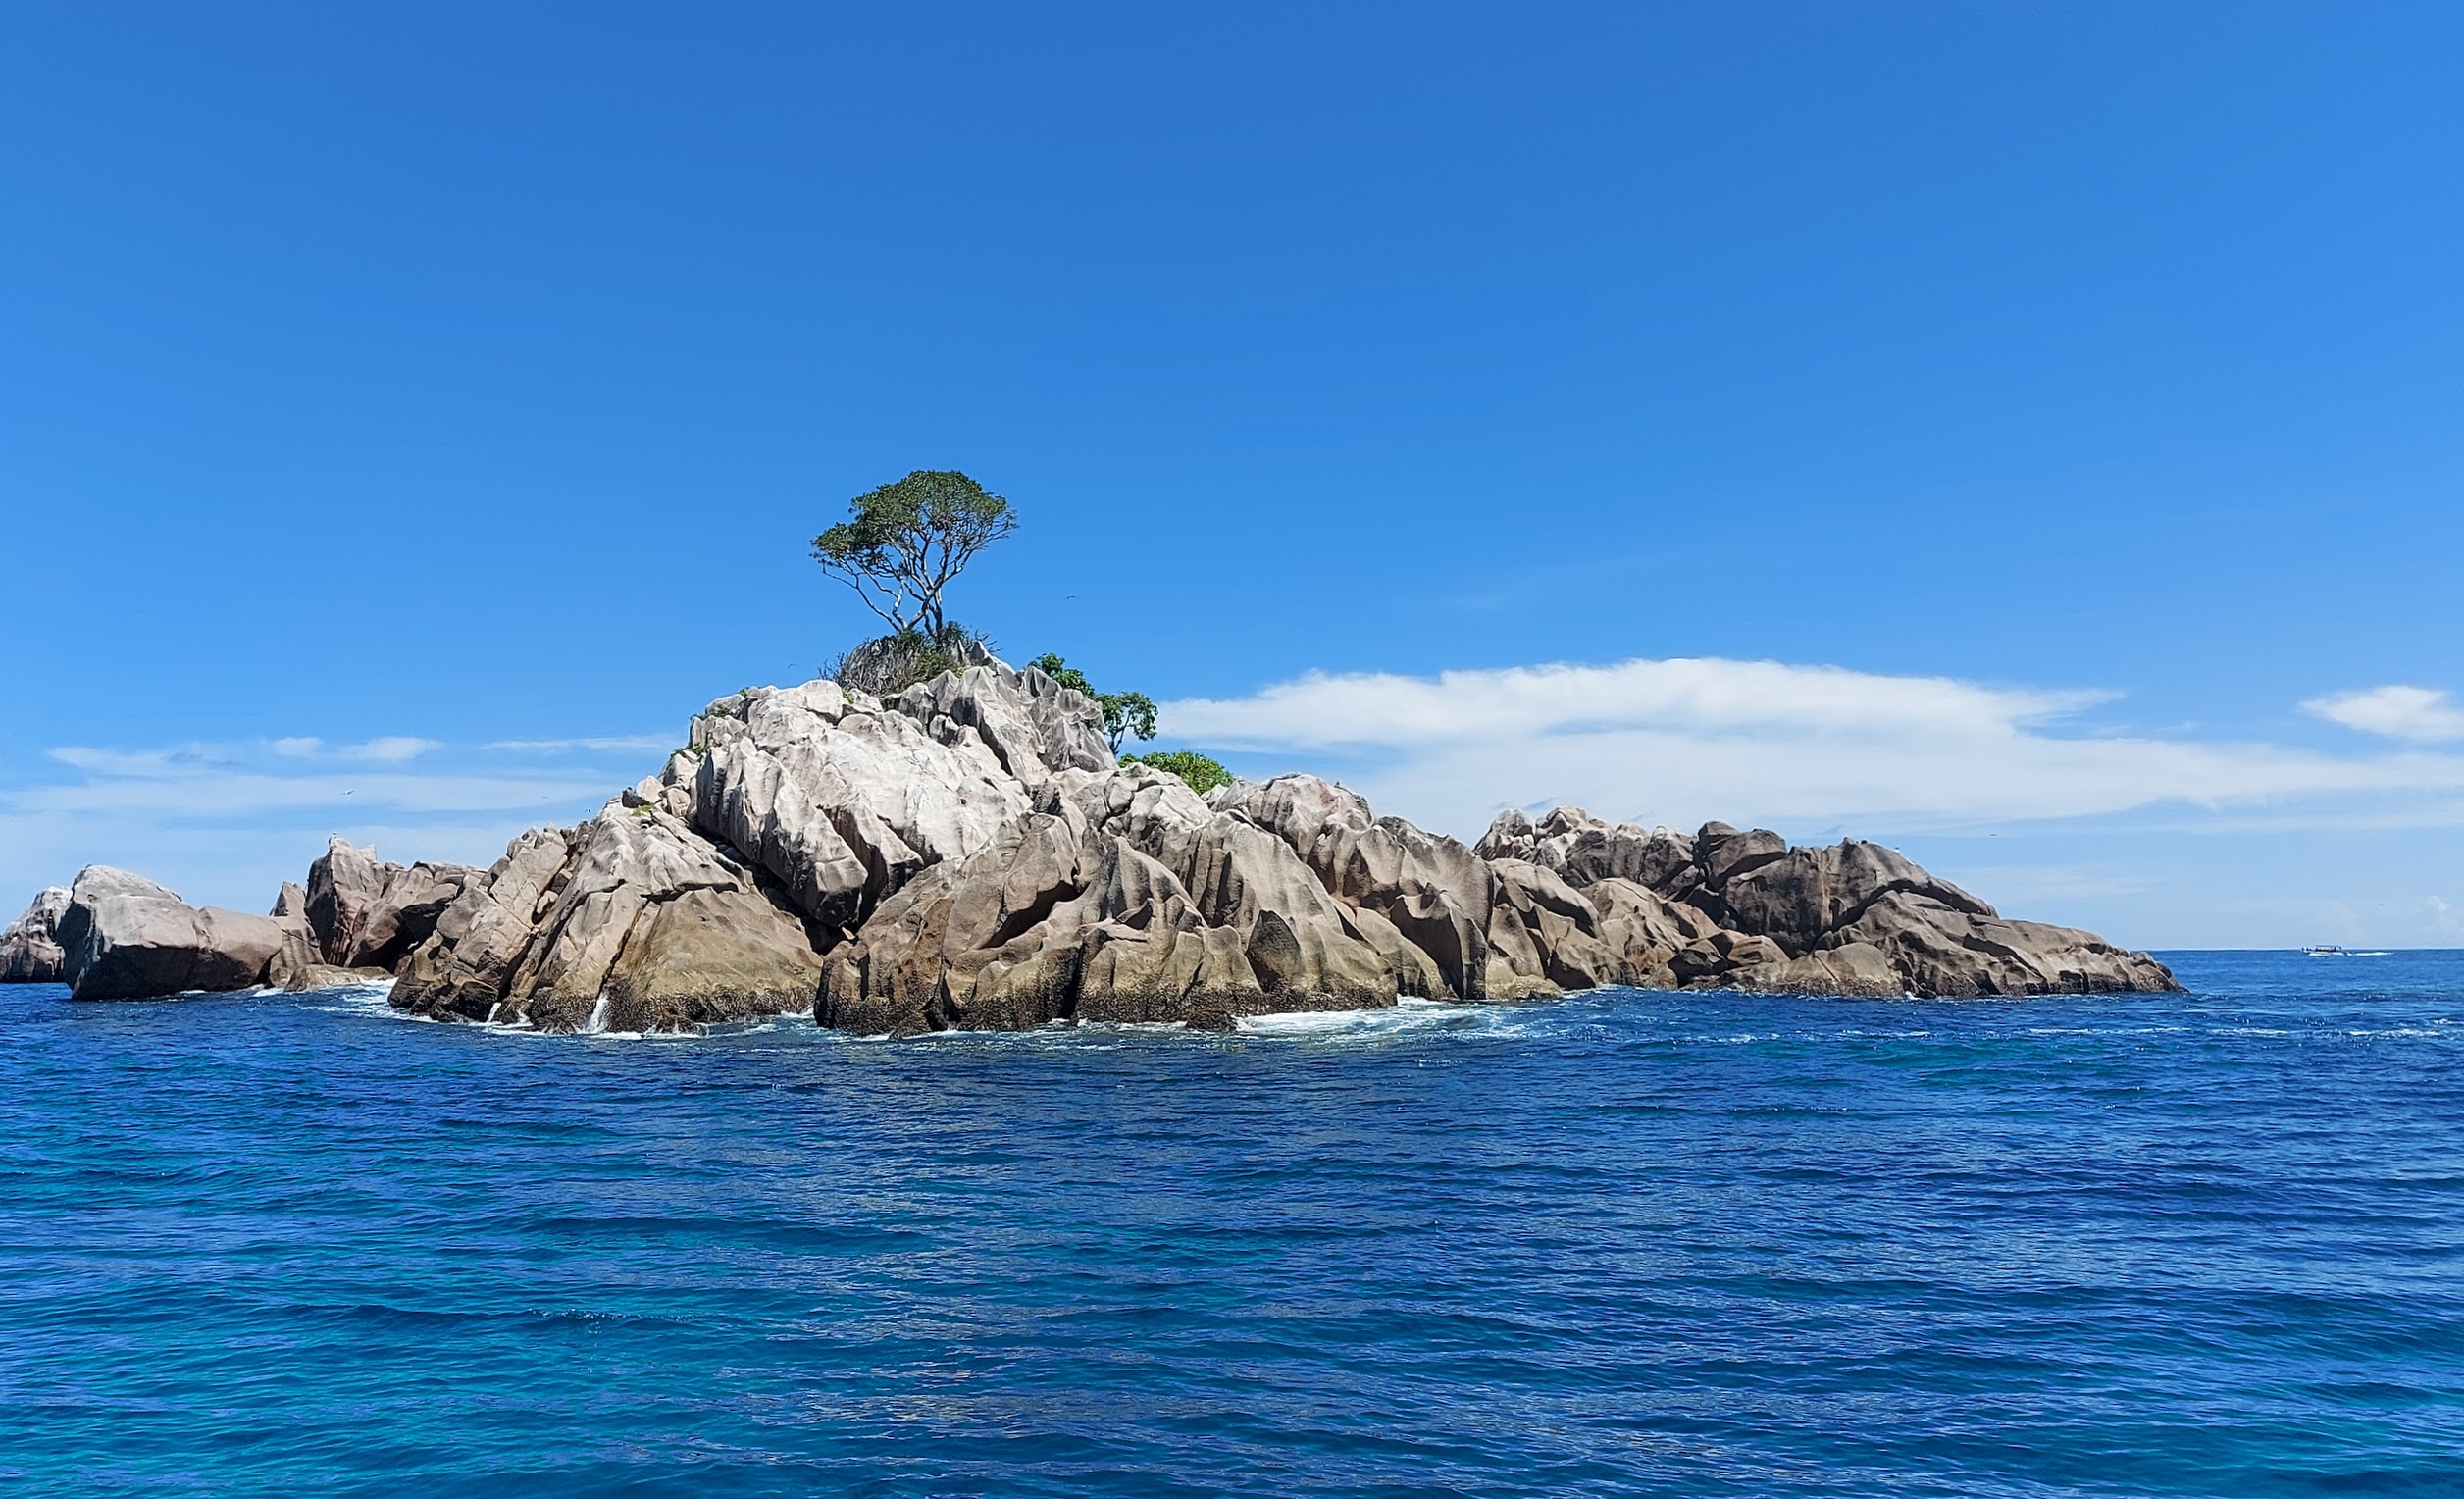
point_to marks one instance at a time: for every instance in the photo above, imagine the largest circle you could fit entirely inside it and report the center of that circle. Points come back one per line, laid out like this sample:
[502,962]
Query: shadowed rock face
[1855,918]
[633,922]
[124,937]
[367,914]
[29,950]
[300,965]
[1125,899]
[1431,890]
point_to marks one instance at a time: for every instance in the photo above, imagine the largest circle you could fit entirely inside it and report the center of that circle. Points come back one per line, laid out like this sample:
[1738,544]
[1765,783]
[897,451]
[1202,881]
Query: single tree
[1125,714]
[1130,715]
[903,543]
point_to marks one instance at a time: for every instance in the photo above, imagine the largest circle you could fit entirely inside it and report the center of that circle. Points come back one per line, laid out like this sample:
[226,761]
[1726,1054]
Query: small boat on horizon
[2328,950]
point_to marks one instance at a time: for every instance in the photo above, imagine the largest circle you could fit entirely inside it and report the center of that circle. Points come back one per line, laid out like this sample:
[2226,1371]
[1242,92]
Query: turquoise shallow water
[1694,1244]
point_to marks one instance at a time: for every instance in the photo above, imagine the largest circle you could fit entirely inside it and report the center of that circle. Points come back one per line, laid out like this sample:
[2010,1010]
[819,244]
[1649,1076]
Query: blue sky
[409,415]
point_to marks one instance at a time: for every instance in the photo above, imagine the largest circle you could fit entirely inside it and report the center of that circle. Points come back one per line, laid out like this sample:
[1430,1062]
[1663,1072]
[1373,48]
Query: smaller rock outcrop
[122,936]
[367,914]
[1853,918]
[1942,951]
[29,949]
[1583,849]
[633,922]
[300,965]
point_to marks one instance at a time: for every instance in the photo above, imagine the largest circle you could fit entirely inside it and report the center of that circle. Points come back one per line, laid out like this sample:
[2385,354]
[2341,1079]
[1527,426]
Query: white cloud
[1685,741]
[2418,714]
[391,750]
[179,759]
[1517,701]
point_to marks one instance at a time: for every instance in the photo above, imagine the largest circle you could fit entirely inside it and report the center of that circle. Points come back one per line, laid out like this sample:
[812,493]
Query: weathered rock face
[463,969]
[124,937]
[300,964]
[29,950]
[842,800]
[367,914]
[1244,877]
[1855,918]
[1051,923]
[1583,849]
[1801,896]
[1033,725]
[1126,899]
[633,922]
[1941,951]
[1435,892]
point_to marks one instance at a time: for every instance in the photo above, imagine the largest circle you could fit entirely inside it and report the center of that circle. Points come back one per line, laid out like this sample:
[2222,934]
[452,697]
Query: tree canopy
[903,542]
[1125,714]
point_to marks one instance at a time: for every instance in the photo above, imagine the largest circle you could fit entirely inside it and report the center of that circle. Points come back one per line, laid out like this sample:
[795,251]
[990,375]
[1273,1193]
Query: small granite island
[968,854]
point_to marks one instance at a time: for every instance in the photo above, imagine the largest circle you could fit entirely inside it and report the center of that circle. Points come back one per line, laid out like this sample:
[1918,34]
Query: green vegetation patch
[1202,774]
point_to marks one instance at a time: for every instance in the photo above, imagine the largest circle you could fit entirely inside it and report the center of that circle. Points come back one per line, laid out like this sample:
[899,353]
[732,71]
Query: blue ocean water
[1701,1244]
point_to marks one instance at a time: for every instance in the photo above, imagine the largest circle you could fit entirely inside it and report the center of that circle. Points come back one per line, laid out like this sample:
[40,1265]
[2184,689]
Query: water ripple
[1701,1244]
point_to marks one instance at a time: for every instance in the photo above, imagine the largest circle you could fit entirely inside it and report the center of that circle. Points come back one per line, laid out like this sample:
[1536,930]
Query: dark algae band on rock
[969,854]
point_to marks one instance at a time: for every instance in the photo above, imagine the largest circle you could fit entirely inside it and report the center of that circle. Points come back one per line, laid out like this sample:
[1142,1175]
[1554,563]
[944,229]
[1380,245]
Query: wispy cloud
[1683,740]
[239,792]
[2422,714]
[198,757]
[618,744]
[391,750]
[136,762]
[168,809]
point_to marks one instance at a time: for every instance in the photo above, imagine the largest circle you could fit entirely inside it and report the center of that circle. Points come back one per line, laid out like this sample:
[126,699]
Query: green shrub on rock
[893,663]
[1202,774]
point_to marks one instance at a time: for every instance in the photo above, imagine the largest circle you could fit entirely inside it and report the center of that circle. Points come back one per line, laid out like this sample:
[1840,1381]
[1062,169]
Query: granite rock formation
[122,936]
[633,922]
[1855,918]
[967,854]
[29,949]
[367,914]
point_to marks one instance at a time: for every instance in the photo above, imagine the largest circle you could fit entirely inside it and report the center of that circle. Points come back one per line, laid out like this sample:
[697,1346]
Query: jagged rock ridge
[967,853]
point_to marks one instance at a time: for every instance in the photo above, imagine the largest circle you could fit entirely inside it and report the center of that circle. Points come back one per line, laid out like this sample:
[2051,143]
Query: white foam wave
[1403,1017]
